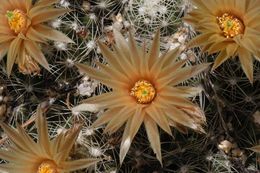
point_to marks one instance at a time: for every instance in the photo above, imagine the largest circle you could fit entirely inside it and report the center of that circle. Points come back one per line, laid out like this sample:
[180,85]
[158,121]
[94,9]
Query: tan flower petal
[168,73]
[34,51]
[199,40]
[183,91]
[128,66]
[15,137]
[78,164]
[51,34]
[132,126]
[13,52]
[34,35]
[45,3]
[112,59]
[112,71]
[69,141]
[247,63]
[18,4]
[118,119]
[166,60]
[6,38]
[159,117]
[135,52]
[153,136]
[5,5]
[27,140]
[105,117]
[122,45]
[42,129]
[220,59]
[188,72]
[43,15]
[180,117]
[104,78]
[28,5]
[255,148]
[4,49]
[126,141]
[154,51]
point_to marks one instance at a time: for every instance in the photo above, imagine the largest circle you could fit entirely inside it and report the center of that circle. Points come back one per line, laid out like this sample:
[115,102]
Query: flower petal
[153,137]
[35,52]
[51,34]
[78,164]
[158,116]
[42,129]
[12,54]
[246,60]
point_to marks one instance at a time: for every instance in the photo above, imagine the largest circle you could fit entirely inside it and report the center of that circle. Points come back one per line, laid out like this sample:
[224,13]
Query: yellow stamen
[17,20]
[143,91]
[47,167]
[230,25]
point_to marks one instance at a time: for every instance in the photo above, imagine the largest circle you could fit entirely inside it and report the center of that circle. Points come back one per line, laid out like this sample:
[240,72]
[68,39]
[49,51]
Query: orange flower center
[17,20]
[47,167]
[230,25]
[143,91]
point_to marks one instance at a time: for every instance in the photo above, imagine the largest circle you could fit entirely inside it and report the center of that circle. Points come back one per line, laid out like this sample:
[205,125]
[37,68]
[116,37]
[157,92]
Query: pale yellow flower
[44,156]
[145,90]
[22,29]
[231,27]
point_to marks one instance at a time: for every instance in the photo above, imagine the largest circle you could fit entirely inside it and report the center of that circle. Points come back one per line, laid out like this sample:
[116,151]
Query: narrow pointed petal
[4,49]
[44,15]
[78,164]
[126,142]
[118,120]
[167,73]
[6,38]
[45,2]
[153,137]
[222,57]
[111,58]
[27,140]
[159,118]
[162,61]
[137,121]
[132,126]
[35,52]
[98,75]
[180,117]
[12,54]
[199,40]
[246,63]
[154,50]
[255,149]
[113,72]
[135,52]
[42,129]
[121,43]
[51,34]
[15,137]
[188,72]
[69,141]
[105,117]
